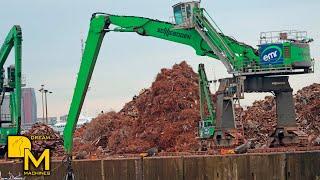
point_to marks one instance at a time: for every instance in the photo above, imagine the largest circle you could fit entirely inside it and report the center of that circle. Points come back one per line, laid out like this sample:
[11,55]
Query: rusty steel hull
[275,166]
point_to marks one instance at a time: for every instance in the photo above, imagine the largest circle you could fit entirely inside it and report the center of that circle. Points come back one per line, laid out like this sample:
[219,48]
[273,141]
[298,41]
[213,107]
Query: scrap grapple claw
[68,163]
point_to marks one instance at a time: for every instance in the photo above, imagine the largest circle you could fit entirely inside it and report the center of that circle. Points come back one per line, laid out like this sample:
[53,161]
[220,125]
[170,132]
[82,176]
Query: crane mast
[11,85]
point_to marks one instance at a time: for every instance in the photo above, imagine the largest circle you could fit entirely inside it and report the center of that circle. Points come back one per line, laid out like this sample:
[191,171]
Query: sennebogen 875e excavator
[254,70]
[10,122]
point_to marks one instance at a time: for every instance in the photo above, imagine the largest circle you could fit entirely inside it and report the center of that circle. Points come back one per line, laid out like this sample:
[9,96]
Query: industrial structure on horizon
[28,107]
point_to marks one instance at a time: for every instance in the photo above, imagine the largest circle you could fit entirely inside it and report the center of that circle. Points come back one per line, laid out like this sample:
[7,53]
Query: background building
[5,108]
[51,120]
[63,118]
[28,107]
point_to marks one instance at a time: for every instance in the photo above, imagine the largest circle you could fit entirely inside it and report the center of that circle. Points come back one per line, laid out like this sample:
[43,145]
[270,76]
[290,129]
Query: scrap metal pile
[44,137]
[165,118]
[259,120]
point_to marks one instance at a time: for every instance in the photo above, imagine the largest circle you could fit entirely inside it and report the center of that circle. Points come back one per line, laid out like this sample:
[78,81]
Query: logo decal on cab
[271,54]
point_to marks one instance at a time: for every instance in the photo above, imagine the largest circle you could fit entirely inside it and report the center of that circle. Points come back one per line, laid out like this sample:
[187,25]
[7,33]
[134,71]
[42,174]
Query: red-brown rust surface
[166,116]
[259,120]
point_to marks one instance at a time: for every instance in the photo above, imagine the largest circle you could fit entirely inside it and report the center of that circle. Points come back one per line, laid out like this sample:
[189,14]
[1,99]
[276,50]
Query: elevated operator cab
[183,13]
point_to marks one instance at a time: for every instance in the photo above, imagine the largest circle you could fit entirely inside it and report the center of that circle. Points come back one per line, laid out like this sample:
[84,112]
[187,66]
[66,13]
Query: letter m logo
[36,162]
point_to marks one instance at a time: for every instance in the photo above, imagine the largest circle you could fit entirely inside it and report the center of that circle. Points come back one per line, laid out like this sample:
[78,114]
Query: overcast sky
[53,29]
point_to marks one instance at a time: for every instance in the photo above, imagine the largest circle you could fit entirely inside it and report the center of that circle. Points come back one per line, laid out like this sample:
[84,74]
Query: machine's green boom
[190,37]
[195,30]
[13,86]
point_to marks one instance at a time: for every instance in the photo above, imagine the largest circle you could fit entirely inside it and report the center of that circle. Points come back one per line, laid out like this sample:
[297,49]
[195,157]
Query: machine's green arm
[205,95]
[207,125]
[161,30]
[91,51]
[14,39]
[100,24]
